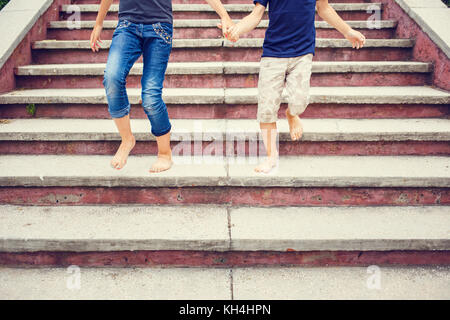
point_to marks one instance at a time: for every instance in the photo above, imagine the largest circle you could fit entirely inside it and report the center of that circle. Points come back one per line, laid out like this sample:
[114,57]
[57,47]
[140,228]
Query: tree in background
[3,3]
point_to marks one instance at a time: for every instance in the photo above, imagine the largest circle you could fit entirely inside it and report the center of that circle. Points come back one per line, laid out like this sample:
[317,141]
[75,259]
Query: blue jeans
[129,42]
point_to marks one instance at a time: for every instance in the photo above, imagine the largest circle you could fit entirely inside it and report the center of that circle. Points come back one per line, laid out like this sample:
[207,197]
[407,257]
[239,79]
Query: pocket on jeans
[159,30]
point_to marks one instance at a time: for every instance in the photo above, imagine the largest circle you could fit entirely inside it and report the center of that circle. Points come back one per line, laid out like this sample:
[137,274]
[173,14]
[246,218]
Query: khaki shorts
[274,75]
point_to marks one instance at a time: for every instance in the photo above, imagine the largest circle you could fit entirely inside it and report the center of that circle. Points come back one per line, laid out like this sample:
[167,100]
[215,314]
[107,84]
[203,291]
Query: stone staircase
[367,185]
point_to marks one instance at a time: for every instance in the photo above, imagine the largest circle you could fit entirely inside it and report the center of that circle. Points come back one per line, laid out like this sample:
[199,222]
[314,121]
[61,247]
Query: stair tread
[212,23]
[42,129]
[305,283]
[298,171]
[119,228]
[226,68]
[215,43]
[228,7]
[115,283]
[350,95]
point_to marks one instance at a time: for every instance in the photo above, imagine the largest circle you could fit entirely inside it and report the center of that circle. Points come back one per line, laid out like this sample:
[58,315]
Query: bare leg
[269,133]
[128,142]
[164,161]
[295,126]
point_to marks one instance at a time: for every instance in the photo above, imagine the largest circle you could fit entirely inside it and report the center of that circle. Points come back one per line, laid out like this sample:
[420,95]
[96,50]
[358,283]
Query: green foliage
[3,3]
[31,109]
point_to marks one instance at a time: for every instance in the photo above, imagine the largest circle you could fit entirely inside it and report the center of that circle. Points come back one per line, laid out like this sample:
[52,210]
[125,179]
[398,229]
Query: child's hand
[95,38]
[234,32]
[225,25]
[356,38]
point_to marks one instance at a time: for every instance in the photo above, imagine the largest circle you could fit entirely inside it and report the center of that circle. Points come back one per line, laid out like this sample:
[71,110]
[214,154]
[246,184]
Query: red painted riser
[234,111]
[86,16]
[226,54]
[224,259]
[236,196]
[211,33]
[228,81]
[285,148]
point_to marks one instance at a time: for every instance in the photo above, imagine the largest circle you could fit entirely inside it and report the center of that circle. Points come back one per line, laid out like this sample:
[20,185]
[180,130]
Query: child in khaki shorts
[286,61]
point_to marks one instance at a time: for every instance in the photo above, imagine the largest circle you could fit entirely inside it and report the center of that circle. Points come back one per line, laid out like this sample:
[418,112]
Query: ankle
[289,115]
[165,155]
[273,155]
[128,139]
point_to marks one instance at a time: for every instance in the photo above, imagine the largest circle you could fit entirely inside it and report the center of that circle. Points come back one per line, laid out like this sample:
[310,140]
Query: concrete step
[228,74]
[217,43]
[248,49]
[321,136]
[207,28]
[234,68]
[343,95]
[397,283]
[325,137]
[202,130]
[76,229]
[326,102]
[207,170]
[354,11]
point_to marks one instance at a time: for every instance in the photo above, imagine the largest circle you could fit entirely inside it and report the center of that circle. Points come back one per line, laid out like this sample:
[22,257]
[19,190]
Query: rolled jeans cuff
[161,132]
[119,113]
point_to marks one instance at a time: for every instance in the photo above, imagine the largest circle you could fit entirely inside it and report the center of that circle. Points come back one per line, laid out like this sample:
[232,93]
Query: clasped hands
[230,30]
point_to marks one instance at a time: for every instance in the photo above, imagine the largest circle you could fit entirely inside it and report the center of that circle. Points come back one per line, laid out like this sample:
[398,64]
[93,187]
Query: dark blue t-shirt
[291,31]
[146,11]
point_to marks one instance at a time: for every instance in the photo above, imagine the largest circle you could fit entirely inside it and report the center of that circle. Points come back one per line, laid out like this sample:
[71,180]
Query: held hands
[235,32]
[356,38]
[227,25]
[95,38]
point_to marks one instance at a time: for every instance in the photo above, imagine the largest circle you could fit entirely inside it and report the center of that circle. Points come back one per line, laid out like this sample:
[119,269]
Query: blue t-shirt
[146,11]
[291,31]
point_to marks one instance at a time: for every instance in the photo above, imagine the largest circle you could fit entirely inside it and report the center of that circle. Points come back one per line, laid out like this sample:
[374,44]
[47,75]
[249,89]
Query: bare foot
[120,158]
[267,164]
[163,163]
[295,126]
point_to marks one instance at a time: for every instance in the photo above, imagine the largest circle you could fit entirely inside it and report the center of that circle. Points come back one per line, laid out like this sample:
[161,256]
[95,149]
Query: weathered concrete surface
[206,129]
[16,20]
[206,228]
[113,228]
[339,66]
[301,171]
[351,95]
[246,283]
[230,7]
[67,170]
[341,283]
[320,43]
[212,23]
[128,283]
[351,129]
[94,96]
[432,16]
[339,95]
[340,171]
[189,68]
[216,43]
[340,228]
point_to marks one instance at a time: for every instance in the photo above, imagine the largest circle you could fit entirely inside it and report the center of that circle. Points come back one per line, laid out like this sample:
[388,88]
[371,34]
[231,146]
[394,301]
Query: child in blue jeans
[144,28]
